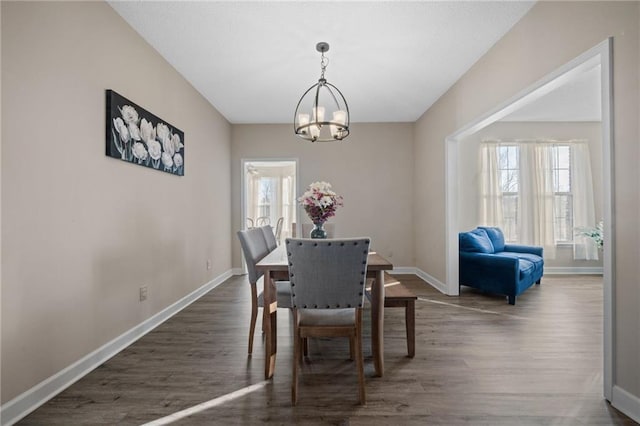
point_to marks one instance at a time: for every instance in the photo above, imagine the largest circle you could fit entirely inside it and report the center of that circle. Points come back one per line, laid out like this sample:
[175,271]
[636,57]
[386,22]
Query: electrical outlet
[143,293]
[208,264]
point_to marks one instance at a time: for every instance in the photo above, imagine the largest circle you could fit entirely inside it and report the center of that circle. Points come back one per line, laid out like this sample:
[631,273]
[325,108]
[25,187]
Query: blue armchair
[488,264]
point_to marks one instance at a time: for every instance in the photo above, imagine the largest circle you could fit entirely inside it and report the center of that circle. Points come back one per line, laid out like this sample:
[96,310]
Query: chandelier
[322,114]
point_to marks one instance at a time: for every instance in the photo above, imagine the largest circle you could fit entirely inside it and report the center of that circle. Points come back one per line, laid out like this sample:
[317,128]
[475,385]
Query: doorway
[268,194]
[600,55]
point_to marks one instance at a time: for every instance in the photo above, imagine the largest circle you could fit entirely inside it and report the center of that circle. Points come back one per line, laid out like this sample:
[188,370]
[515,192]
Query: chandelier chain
[323,65]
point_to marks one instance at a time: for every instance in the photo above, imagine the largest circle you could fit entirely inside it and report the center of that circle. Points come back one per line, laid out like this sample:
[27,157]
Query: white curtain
[490,190]
[536,196]
[253,181]
[288,205]
[584,248]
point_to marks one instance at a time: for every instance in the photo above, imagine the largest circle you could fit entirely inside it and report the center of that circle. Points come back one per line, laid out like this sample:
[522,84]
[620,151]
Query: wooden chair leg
[297,357]
[352,348]
[254,316]
[359,357]
[410,323]
[305,346]
[302,342]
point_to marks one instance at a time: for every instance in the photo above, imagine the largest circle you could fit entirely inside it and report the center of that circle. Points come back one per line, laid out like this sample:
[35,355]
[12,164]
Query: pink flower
[320,202]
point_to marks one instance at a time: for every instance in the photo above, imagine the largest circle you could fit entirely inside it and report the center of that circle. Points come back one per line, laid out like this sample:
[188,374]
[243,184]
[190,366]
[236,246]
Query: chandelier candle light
[320,203]
[322,114]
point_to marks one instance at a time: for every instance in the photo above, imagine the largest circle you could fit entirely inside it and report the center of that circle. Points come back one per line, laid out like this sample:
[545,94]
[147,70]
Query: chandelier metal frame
[312,125]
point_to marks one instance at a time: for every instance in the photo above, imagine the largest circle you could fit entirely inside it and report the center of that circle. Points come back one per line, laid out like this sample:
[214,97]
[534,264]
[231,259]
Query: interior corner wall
[549,36]
[81,232]
[371,169]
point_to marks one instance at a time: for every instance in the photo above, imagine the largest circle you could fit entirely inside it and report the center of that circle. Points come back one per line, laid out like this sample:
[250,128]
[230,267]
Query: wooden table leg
[377,323]
[269,318]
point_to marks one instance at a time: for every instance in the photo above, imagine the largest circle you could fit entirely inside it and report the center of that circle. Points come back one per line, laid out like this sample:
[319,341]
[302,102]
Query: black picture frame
[137,136]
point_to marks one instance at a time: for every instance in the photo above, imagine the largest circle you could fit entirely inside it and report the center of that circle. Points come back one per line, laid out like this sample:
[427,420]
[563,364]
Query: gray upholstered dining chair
[327,279]
[269,237]
[254,247]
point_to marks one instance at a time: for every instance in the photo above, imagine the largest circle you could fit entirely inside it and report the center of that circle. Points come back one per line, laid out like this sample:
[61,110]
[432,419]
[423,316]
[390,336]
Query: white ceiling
[253,60]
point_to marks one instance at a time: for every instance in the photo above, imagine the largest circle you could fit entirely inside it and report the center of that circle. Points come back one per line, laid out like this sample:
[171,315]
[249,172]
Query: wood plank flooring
[479,361]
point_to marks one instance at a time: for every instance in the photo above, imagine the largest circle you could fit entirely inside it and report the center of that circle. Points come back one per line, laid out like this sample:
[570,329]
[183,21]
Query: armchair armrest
[523,249]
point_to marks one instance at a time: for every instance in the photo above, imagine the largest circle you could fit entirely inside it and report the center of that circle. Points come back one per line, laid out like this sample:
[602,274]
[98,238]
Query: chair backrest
[279,230]
[254,247]
[249,223]
[263,220]
[329,273]
[267,231]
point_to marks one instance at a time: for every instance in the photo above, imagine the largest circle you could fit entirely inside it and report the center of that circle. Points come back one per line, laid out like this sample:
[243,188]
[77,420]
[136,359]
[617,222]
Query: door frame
[601,53]
[243,163]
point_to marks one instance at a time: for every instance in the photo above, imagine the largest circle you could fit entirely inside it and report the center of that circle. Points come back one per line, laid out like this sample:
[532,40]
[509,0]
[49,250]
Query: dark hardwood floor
[479,361]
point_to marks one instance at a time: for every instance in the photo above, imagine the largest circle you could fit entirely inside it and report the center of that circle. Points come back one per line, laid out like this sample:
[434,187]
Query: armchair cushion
[496,236]
[476,241]
[536,261]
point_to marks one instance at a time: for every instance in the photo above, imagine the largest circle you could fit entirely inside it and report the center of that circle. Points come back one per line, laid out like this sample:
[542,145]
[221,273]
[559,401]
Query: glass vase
[318,231]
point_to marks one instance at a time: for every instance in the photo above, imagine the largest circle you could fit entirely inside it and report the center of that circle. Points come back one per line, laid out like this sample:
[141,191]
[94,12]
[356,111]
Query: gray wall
[371,169]
[81,232]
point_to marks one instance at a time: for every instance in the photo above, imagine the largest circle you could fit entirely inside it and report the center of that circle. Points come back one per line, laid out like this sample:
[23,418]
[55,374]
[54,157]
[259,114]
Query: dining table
[275,268]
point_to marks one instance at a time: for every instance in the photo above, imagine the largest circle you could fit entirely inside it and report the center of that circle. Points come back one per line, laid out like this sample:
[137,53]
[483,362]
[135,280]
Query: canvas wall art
[137,136]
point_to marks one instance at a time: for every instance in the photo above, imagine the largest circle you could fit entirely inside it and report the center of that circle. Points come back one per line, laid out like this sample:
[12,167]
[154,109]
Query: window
[509,169]
[563,196]
[510,175]
[267,196]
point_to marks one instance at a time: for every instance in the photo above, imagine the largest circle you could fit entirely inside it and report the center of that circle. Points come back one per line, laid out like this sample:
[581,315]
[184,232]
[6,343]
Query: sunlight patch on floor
[206,405]
[484,311]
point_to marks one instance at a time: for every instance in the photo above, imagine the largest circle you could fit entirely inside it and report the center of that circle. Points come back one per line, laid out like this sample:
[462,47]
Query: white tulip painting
[137,136]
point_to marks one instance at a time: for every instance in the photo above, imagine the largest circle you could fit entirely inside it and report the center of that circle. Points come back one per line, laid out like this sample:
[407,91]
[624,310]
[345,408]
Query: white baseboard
[433,282]
[33,398]
[404,270]
[237,271]
[627,403]
[568,270]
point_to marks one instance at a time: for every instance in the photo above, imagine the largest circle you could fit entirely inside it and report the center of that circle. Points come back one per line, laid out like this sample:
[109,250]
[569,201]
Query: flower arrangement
[596,234]
[320,202]
[149,144]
